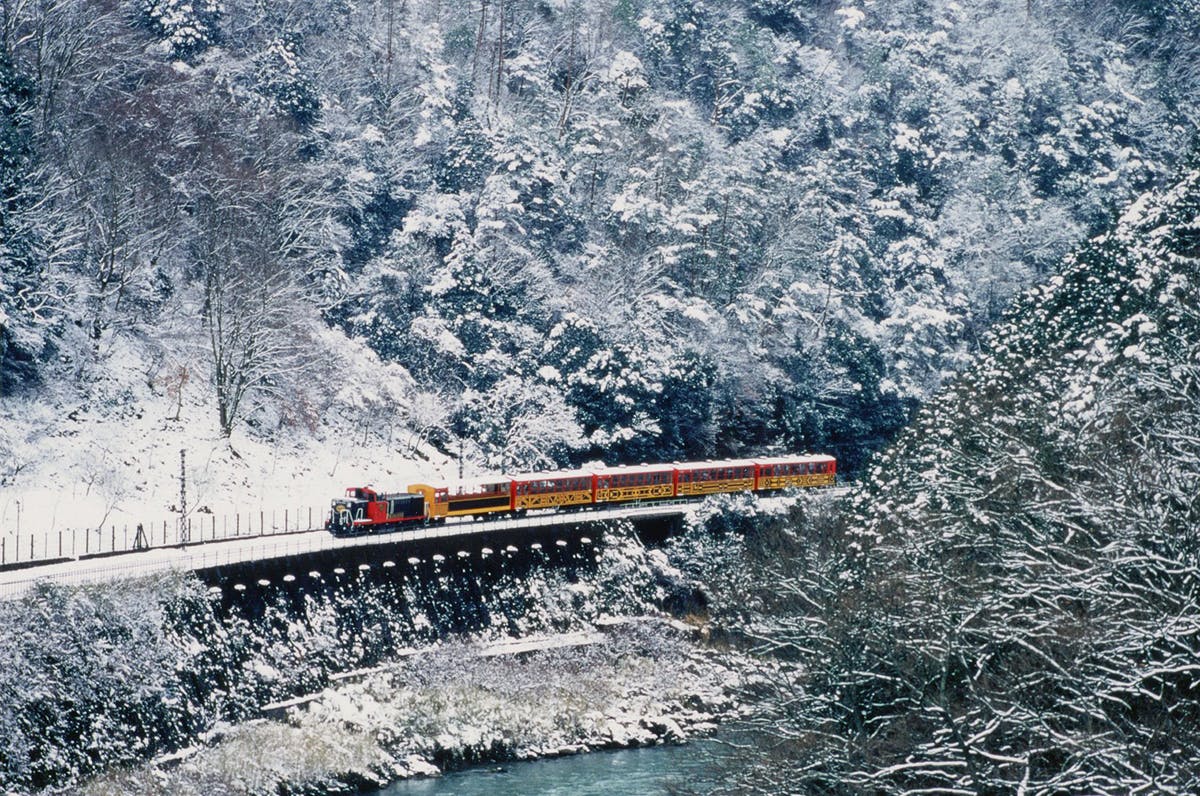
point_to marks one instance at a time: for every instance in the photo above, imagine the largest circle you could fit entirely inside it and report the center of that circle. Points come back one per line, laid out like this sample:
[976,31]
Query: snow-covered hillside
[107,451]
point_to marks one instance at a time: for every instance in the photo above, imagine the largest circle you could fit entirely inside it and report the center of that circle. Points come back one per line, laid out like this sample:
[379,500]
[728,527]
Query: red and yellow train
[364,510]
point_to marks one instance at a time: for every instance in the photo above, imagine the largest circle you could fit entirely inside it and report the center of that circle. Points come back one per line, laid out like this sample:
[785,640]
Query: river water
[665,770]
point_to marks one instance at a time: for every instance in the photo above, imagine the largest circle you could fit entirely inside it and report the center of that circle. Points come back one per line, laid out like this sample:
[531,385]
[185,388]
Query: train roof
[804,457]
[716,463]
[550,475]
[465,484]
[635,468]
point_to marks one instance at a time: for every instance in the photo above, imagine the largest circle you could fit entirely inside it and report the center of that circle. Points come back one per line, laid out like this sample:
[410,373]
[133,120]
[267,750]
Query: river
[627,772]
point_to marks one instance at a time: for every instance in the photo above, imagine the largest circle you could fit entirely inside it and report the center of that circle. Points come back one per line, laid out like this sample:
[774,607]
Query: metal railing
[197,555]
[31,548]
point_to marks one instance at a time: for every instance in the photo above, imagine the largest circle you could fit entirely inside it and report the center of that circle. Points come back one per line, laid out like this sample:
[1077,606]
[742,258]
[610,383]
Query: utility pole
[184,536]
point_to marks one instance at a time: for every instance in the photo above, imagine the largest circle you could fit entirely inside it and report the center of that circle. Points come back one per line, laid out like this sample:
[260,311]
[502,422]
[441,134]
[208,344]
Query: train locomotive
[364,510]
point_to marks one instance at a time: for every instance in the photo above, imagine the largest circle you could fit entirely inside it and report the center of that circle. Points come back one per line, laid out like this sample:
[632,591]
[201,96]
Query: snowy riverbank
[637,684]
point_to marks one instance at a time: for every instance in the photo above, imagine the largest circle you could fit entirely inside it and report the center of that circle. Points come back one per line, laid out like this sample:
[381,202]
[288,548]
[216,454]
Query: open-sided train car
[476,497]
[552,490]
[643,482]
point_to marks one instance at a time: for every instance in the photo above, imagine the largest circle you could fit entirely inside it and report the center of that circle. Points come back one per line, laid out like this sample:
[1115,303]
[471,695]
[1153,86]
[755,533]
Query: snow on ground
[103,448]
[636,684]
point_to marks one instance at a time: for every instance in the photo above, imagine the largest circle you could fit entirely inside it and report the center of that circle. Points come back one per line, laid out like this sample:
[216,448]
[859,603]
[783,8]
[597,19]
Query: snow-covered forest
[952,243]
[1009,602]
[635,230]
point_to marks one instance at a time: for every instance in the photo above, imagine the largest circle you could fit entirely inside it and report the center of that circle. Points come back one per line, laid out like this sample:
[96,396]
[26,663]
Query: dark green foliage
[188,28]
[466,160]
[282,80]
[21,269]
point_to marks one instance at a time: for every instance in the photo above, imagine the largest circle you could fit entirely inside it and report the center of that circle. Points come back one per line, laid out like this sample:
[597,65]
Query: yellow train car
[645,482]
[796,471]
[553,490]
[711,478]
[466,498]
